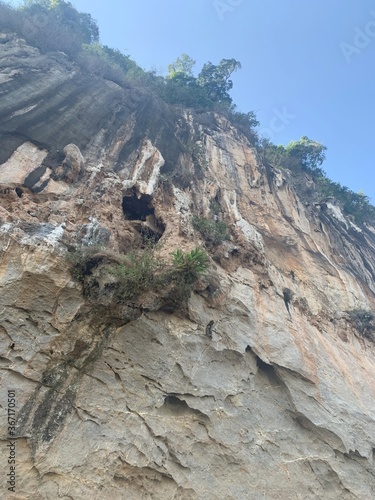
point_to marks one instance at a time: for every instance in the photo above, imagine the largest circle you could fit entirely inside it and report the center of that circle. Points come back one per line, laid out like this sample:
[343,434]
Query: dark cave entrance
[138,208]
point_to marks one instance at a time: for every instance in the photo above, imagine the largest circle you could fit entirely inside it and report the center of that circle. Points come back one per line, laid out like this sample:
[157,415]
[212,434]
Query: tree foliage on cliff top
[50,25]
[306,157]
[55,25]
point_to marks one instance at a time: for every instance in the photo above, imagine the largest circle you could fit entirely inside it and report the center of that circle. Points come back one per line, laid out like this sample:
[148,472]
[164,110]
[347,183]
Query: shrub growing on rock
[126,277]
[190,266]
[82,260]
[138,272]
[214,232]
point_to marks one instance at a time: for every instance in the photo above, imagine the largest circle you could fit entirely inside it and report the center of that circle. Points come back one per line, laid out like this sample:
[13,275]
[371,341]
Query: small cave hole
[175,406]
[265,367]
[19,192]
[288,297]
[173,401]
[139,209]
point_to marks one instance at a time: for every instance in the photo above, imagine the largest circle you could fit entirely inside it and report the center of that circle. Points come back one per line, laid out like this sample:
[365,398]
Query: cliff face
[262,387]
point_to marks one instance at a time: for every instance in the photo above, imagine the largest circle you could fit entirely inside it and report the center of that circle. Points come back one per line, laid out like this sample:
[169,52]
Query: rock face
[262,387]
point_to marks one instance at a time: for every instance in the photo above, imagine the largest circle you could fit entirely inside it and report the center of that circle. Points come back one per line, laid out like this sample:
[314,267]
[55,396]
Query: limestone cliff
[262,387]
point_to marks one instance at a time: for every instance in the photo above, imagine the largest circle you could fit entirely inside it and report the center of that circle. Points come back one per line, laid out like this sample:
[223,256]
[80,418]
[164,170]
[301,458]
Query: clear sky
[307,65]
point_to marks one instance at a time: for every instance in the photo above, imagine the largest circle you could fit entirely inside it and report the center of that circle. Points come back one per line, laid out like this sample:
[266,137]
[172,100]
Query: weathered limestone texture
[261,388]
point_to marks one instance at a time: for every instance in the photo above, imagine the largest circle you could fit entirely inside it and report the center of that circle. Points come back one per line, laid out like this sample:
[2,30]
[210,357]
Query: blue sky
[307,65]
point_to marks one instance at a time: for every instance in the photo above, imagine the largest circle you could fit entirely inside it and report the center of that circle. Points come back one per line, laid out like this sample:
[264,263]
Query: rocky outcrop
[262,387]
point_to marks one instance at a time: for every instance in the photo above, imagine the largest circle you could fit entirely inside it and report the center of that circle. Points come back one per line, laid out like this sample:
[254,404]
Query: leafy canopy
[216,79]
[211,87]
[209,91]
[183,64]
[310,154]
[60,12]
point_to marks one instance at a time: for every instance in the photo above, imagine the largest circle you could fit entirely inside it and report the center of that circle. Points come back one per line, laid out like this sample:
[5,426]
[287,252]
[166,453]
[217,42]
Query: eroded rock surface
[262,388]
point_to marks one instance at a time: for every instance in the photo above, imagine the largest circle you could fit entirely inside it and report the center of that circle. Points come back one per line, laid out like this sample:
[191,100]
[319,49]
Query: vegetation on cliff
[128,277]
[55,25]
[213,231]
[51,25]
[306,157]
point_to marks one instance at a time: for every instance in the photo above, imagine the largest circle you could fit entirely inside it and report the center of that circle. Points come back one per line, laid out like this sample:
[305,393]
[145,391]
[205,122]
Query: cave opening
[172,400]
[265,367]
[139,209]
[176,406]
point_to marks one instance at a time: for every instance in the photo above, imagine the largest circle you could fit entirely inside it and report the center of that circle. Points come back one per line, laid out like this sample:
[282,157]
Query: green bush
[355,204]
[82,260]
[140,271]
[10,19]
[143,271]
[308,154]
[50,25]
[111,64]
[214,232]
[190,266]
[276,156]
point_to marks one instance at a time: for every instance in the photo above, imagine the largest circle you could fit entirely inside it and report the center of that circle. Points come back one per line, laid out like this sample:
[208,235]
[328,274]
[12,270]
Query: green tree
[216,79]
[183,64]
[309,154]
[61,16]
[103,55]
[122,60]
[276,156]
[184,90]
